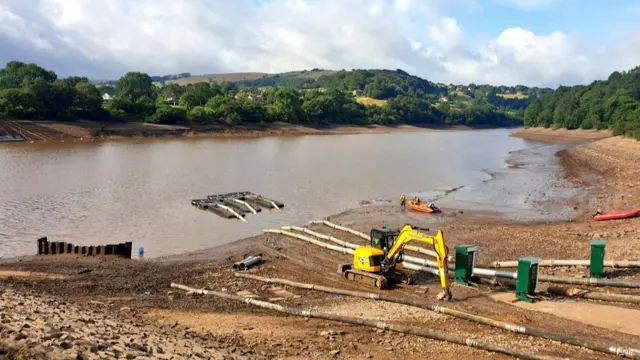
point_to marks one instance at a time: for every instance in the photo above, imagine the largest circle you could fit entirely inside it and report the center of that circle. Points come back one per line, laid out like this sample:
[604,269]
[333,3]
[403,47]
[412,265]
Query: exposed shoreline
[38,131]
[605,169]
[561,136]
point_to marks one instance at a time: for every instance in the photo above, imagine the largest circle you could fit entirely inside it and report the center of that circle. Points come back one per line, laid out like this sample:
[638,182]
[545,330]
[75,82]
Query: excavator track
[371,279]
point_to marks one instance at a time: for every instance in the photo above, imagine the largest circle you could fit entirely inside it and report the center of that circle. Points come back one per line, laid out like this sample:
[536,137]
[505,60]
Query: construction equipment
[380,263]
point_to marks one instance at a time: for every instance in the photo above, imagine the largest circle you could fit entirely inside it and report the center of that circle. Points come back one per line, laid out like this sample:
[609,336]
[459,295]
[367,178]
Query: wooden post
[53,248]
[42,245]
[99,250]
[83,250]
[76,250]
[108,250]
[61,247]
[128,247]
[90,250]
[69,248]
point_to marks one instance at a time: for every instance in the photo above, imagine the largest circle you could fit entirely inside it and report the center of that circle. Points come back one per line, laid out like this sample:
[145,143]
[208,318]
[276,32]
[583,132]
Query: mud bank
[606,170]
[91,130]
[562,136]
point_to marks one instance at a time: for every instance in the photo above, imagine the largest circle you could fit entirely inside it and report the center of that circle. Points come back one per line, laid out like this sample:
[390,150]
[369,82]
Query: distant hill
[229,77]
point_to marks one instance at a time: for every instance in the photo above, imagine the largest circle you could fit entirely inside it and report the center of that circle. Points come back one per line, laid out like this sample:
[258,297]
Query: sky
[500,42]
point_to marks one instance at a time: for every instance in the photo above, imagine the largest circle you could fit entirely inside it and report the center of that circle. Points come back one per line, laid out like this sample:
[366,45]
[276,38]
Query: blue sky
[531,42]
[594,19]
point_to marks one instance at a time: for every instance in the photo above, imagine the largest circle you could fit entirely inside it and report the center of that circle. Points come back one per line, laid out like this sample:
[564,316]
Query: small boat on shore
[423,207]
[617,215]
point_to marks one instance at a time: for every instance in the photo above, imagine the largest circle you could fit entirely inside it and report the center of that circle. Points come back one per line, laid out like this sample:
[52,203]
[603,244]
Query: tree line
[605,104]
[28,91]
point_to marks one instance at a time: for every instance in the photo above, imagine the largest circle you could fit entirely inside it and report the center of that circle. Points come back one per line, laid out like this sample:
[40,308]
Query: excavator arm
[410,233]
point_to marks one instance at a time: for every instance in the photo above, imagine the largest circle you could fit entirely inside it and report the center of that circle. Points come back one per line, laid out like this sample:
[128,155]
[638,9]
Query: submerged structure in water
[236,205]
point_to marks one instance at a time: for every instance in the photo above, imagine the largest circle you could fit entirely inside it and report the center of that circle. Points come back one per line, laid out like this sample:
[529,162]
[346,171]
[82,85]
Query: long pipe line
[607,263]
[461,340]
[481,272]
[366,237]
[517,328]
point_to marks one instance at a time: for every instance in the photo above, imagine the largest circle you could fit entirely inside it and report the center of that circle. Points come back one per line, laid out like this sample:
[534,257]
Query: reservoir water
[140,190]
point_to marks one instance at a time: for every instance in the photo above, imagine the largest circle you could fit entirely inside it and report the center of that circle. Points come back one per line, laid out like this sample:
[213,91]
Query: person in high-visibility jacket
[416,200]
[403,202]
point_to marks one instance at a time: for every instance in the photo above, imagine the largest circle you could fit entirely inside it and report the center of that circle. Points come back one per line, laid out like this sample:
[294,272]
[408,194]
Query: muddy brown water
[140,190]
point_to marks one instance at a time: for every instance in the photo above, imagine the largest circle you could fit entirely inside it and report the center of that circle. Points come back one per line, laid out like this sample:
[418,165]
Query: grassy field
[219,78]
[232,77]
[367,101]
[513,96]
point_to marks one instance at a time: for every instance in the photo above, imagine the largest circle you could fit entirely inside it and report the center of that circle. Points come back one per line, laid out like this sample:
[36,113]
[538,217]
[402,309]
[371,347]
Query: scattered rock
[334,353]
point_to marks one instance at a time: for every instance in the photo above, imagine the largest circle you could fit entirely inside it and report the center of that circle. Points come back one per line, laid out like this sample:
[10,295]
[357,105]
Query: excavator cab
[384,239]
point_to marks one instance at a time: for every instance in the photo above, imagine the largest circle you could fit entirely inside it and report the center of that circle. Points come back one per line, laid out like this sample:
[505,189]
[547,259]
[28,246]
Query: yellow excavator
[380,263]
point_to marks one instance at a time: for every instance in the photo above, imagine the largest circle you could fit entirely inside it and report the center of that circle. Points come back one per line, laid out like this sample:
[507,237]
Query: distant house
[107,97]
[358,92]
[444,99]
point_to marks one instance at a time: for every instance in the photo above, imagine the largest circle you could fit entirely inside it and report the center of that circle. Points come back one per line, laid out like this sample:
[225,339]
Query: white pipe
[310,240]
[366,237]
[413,259]
[275,206]
[232,211]
[346,250]
[494,273]
[322,236]
[245,204]
[607,263]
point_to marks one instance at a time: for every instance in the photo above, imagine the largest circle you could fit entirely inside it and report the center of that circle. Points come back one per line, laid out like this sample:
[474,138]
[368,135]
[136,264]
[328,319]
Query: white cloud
[446,33]
[209,36]
[529,4]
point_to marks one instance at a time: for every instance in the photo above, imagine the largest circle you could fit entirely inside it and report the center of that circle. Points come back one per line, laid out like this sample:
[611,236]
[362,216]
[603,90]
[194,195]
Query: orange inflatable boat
[423,207]
[617,215]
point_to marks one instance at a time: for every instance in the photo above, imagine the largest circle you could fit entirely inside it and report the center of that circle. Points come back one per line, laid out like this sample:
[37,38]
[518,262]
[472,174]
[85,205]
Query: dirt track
[234,329]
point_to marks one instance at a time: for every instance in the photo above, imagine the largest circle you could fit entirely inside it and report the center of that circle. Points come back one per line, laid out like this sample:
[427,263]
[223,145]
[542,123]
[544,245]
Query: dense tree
[133,86]
[17,74]
[171,94]
[613,103]
[314,97]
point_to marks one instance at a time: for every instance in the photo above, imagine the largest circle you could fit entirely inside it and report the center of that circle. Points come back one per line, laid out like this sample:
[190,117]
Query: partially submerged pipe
[580,293]
[232,211]
[607,263]
[248,206]
[366,237]
[466,341]
[517,328]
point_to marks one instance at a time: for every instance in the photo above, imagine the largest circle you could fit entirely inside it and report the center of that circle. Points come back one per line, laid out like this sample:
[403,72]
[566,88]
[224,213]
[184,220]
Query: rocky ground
[36,326]
[133,300]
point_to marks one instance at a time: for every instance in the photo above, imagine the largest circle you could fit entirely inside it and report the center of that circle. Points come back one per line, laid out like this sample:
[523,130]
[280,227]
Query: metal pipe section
[621,283]
[607,263]
[232,211]
[247,263]
[461,340]
[517,328]
[580,293]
